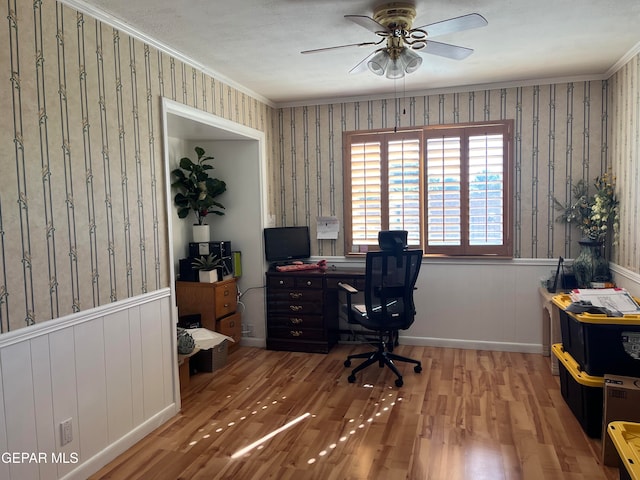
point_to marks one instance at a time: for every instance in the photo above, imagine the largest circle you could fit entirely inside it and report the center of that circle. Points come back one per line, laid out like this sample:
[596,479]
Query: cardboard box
[183,373]
[621,401]
[212,359]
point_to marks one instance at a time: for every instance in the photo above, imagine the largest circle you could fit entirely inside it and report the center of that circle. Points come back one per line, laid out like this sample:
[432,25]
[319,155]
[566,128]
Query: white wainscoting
[111,370]
[487,304]
[625,278]
[483,304]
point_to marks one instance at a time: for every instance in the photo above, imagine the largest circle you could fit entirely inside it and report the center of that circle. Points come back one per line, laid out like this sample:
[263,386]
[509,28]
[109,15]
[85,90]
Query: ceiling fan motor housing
[395,16]
[398,18]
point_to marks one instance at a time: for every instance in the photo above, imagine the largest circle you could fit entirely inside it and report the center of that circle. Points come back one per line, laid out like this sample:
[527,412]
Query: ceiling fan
[393,23]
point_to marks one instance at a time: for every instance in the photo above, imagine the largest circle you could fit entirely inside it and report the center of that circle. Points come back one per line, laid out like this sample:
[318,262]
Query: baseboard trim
[472,344]
[253,342]
[99,460]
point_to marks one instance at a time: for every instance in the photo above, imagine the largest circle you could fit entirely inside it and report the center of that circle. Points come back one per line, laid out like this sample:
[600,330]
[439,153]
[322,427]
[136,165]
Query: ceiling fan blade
[465,22]
[368,23]
[446,50]
[364,44]
[362,66]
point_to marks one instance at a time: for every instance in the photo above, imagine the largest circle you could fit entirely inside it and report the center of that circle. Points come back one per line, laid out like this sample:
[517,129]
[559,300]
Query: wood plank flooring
[469,415]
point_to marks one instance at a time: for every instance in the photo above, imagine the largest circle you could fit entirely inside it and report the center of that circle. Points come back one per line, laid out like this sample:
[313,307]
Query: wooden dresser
[217,305]
[302,309]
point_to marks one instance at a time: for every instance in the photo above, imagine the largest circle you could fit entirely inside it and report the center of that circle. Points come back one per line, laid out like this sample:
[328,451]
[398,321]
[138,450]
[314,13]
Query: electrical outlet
[66,432]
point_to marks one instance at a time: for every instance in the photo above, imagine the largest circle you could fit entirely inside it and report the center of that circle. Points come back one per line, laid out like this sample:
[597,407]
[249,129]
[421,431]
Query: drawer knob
[296,333]
[295,308]
[281,282]
[226,293]
[295,295]
[296,320]
[308,283]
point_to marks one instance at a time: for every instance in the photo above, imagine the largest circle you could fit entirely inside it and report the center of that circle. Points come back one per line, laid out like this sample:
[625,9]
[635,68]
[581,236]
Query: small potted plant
[210,268]
[197,192]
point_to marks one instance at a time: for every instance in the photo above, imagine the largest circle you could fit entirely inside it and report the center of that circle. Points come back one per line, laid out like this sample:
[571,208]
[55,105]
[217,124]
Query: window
[448,186]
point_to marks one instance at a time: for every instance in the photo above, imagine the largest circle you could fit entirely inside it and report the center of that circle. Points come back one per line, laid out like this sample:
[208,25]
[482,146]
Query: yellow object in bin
[574,369]
[626,438]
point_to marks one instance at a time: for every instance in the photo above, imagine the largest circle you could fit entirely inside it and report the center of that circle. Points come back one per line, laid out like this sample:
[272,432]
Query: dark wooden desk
[303,308]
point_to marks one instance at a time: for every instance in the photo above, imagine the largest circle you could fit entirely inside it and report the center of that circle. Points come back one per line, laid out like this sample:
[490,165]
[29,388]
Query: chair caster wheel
[351,378]
[417,369]
[347,363]
[399,382]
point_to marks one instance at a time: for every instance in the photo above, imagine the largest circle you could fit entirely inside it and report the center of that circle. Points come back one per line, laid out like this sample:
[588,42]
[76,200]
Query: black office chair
[390,279]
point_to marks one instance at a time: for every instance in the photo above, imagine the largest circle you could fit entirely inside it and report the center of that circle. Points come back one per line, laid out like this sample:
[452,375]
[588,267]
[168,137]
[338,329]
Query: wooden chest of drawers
[302,309]
[295,312]
[216,303]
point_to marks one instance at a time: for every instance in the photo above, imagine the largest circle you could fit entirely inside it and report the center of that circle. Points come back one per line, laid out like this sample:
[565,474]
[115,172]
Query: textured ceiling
[257,43]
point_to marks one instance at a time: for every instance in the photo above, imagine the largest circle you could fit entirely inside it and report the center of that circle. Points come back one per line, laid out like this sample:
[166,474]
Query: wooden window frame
[503,127]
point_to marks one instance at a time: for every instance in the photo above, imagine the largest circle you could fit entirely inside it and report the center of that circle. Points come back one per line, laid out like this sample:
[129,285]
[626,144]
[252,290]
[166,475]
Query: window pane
[404,187]
[486,190]
[366,192]
[443,178]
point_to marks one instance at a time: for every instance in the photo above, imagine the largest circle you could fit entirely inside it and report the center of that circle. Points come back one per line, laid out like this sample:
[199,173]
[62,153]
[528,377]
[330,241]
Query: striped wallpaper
[624,152]
[82,207]
[561,137]
[82,218]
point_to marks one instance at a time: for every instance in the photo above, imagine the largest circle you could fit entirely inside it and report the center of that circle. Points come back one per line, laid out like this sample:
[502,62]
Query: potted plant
[197,192]
[210,268]
[596,216]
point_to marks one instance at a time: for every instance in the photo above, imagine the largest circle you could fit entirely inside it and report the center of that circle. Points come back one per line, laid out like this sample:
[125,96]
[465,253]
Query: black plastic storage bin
[600,344]
[582,392]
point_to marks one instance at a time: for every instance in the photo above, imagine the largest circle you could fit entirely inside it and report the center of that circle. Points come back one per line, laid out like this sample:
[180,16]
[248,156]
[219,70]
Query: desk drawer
[356,282]
[297,296]
[298,334]
[295,321]
[226,299]
[231,326]
[295,281]
[294,307]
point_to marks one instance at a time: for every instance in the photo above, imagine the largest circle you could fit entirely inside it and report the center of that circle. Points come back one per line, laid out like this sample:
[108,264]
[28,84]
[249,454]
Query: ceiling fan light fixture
[379,62]
[395,69]
[411,61]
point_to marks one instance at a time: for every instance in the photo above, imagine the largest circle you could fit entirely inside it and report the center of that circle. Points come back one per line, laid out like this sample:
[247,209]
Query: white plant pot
[201,233]
[208,276]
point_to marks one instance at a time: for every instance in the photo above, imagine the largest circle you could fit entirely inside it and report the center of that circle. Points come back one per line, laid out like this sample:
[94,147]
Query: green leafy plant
[595,215]
[196,189]
[207,263]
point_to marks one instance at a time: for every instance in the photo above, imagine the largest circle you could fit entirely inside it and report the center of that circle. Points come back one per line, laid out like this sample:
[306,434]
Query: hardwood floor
[469,415]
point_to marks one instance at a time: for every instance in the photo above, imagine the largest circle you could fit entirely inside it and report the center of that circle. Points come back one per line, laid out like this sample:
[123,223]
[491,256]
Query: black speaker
[187,272]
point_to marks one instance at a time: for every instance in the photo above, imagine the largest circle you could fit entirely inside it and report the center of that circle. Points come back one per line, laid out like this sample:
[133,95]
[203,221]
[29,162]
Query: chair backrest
[390,279]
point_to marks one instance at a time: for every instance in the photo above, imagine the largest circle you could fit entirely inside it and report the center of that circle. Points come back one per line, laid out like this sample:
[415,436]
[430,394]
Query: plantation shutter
[466,191]
[366,191]
[404,187]
[486,190]
[444,191]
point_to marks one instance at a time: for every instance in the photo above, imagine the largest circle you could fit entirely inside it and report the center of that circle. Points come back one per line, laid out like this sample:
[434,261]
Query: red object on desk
[321,265]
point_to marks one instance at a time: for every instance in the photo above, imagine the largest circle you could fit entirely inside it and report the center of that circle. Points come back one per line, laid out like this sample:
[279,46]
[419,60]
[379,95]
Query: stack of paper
[615,299]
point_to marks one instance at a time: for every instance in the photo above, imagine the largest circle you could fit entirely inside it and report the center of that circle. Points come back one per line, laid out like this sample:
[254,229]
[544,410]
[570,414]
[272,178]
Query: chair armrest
[347,288]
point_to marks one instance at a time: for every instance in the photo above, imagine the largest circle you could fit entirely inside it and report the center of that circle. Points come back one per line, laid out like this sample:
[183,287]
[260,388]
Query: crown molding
[635,50]
[120,25]
[445,90]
